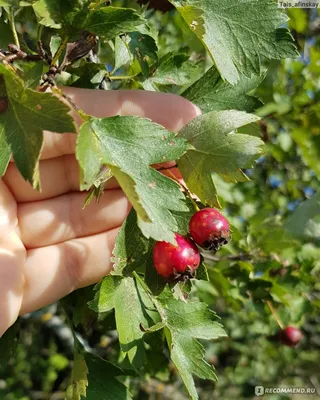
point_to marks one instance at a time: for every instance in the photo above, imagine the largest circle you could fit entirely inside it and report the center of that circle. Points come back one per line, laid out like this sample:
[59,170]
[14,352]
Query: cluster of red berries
[208,229]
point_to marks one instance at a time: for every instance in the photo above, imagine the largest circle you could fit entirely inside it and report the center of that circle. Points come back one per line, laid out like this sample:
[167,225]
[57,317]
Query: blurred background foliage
[269,272]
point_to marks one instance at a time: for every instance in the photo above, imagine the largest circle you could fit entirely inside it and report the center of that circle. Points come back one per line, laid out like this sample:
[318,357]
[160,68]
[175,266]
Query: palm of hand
[49,245]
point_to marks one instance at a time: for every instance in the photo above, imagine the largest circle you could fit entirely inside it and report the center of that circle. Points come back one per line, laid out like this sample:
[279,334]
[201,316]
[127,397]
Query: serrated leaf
[143,47]
[211,93]
[304,223]
[185,323]
[29,113]
[70,14]
[109,22]
[128,146]
[130,304]
[173,69]
[47,12]
[238,33]
[217,149]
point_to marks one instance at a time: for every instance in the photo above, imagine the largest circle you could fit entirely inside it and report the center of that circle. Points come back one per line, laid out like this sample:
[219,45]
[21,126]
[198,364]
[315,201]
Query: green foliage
[217,149]
[210,93]
[22,124]
[128,145]
[237,34]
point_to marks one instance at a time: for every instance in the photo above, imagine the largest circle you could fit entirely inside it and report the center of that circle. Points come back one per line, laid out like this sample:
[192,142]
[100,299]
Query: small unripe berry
[179,261]
[209,229]
[290,336]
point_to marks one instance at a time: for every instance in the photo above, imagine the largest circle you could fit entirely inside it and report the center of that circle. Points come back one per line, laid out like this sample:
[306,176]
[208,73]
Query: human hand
[49,245]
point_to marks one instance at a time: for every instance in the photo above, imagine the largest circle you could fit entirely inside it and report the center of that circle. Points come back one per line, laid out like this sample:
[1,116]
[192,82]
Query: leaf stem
[189,195]
[39,32]
[274,314]
[13,28]
[59,51]
[82,114]
[238,257]
[118,77]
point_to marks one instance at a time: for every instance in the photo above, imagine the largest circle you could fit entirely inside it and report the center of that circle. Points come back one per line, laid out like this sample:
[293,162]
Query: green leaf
[304,223]
[217,149]
[32,73]
[186,322]
[29,113]
[102,383]
[5,34]
[238,33]
[144,48]
[174,69]
[121,53]
[131,248]
[47,12]
[109,22]
[128,146]
[70,14]
[78,380]
[211,93]
[155,282]
[130,304]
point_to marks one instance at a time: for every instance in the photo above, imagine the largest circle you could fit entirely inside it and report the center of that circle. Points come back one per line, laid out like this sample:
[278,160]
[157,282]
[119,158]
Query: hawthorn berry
[290,336]
[209,229]
[176,262]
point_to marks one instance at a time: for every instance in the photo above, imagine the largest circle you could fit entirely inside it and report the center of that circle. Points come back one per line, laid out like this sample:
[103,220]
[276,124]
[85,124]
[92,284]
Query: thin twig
[59,51]
[118,77]
[189,195]
[275,315]
[82,114]
[238,257]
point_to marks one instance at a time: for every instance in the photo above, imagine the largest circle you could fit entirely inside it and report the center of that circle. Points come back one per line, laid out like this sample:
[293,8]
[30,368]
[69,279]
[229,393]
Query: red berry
[176,261]
[209,229]
[290,336]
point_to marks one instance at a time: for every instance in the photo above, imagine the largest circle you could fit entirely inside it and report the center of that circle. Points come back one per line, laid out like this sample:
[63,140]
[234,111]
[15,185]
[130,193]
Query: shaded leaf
[217,149]
[144,48]
[211,93]
[29,113]
[109,22]
[173,69]
[102,381]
